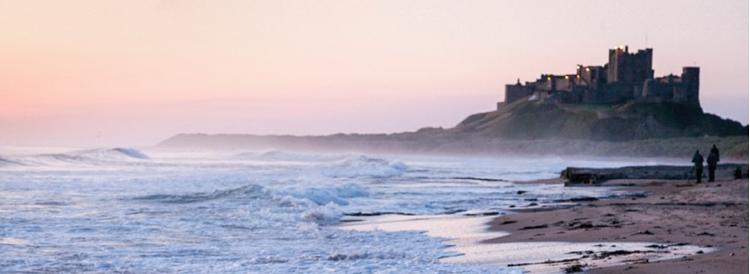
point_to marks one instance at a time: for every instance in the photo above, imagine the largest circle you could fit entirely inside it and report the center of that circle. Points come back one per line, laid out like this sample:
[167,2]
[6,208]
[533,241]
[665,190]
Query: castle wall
[662,89]
[613,93]
[671,88]
[552,83]
[516,92]
[564,83]
[593,77]
[545,82]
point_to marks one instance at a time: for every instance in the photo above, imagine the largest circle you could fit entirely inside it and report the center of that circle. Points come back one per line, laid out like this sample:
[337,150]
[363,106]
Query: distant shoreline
[428,142]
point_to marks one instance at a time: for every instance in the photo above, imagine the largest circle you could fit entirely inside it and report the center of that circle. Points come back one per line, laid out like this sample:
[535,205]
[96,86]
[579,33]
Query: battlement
[625,77]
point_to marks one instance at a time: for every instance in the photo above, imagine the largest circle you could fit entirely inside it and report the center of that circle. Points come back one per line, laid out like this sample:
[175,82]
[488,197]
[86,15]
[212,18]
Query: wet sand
[712,215]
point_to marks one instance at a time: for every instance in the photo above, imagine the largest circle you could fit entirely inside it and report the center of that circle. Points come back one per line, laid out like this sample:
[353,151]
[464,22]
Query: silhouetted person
[712,160]
[698,161]
[715,150]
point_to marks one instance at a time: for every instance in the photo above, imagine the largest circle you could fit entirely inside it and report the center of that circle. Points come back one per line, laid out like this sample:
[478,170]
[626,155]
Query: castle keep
[626,77]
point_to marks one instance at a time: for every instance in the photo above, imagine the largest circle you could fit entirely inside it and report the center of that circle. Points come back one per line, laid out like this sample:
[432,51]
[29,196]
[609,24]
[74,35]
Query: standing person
[698,161]
[715,150]
[712,160]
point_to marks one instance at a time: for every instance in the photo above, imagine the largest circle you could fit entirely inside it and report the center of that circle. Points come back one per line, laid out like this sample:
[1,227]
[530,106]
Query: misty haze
[165,136]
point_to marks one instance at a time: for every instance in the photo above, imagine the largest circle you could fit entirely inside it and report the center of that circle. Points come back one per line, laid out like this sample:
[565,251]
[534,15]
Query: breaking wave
[318,204]
[84,157]
[324,215]
[249,191]
[130,152]
[338,195]
[286,156]
[334,165]
[8,162]
[363,166]
[319,200]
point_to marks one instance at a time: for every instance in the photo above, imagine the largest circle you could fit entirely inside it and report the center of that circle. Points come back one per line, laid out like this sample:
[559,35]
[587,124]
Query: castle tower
[691,84]
[616,56]
[629,68]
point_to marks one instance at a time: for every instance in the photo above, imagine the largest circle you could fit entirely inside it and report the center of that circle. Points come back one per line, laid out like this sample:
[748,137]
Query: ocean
[126,210]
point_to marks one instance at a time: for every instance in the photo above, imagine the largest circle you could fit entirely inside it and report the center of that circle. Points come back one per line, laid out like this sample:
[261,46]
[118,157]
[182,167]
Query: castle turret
[691,84]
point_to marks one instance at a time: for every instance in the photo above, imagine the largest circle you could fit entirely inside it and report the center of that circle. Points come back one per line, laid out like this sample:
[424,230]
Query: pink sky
[96,73]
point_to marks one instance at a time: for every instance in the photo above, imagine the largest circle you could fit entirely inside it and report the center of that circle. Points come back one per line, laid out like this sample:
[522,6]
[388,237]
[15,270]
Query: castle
[626,77]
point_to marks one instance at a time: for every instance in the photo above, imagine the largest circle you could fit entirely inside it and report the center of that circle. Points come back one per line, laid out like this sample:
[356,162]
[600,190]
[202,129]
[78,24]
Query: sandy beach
[652,226]
[674,212]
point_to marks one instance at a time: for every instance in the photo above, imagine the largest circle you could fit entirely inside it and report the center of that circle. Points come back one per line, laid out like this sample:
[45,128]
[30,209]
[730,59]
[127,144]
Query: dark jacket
[713,156]
[698,159]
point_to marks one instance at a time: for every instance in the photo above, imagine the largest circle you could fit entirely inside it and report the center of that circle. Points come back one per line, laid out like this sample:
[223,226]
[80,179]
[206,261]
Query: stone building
[626,77]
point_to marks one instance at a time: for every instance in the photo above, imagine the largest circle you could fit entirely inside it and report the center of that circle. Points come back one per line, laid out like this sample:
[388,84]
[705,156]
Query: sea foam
[122,210]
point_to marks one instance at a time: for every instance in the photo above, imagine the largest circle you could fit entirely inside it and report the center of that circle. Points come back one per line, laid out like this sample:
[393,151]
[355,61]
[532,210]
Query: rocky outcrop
[632,121]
